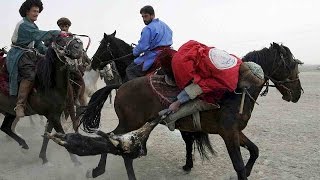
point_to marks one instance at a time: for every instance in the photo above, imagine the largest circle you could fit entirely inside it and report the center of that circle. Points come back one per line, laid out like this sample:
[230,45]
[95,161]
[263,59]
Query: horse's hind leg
[231,139]
[6,127]
[253,149]
[45,141]
[129,167]
[100,169]
[188,139]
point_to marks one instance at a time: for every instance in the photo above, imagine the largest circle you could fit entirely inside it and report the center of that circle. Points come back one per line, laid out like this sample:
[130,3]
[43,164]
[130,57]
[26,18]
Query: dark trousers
[134,71]
[27,66]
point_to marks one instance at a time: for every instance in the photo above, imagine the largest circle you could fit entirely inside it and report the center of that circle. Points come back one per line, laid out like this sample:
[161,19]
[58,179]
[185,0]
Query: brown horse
[136,102]
[49,98]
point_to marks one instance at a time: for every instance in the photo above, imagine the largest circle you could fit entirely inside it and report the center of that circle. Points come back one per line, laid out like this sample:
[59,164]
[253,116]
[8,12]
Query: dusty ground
[286,133]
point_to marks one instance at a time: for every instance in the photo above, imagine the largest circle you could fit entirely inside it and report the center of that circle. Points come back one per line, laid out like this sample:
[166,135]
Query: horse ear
[275,44]
[298,61]
[114,33]
[105,35]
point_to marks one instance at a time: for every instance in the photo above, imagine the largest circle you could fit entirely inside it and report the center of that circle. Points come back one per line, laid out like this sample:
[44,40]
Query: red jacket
[192,63]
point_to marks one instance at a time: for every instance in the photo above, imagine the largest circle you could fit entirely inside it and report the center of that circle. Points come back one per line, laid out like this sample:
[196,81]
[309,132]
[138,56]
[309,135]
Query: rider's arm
[144,42]
[38,36]
[190,92]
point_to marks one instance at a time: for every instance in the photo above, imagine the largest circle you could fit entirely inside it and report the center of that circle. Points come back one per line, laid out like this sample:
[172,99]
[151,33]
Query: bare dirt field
[287,135]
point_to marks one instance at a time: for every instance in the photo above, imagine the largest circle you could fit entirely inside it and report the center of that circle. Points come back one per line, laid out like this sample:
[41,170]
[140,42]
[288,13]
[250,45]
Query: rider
[155,36]
[22,57]
[207,73]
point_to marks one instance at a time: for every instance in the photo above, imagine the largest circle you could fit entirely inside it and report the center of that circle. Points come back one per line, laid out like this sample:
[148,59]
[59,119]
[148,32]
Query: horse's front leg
[100,169]
[56,123]
[231,139]
[253,149]
[43,151]
[129,167]
[188,139]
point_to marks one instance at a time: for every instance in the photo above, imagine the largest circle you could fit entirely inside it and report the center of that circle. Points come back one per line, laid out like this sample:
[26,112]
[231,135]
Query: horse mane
[261,57]
[45,70]
[121,48]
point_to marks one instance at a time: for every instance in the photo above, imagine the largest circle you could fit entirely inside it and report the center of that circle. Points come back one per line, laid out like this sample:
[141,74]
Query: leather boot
[189,108]
[24,90]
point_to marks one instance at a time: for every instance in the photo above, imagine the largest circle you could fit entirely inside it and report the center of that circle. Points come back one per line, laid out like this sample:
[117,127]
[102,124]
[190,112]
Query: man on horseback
[206,75]
[26,50]
[155,36]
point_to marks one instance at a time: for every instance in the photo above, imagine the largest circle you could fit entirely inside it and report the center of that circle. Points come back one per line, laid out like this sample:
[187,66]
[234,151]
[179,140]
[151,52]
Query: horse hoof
[24,151]
[186,168]
[89,173]
[44,161]
[24,146]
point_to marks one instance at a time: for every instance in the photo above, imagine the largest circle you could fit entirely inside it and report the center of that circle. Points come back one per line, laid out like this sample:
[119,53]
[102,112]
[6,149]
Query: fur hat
[26,6]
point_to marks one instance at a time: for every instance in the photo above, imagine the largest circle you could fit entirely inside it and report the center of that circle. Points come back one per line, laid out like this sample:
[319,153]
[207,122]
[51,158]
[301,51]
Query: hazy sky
[237,26]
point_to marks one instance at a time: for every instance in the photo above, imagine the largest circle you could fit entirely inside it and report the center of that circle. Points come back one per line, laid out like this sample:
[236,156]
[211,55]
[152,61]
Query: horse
[48,97]
[136,102]
[116,52]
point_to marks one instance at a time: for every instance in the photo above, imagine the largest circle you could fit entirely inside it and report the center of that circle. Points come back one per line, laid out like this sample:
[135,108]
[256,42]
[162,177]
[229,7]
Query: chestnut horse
[136,102]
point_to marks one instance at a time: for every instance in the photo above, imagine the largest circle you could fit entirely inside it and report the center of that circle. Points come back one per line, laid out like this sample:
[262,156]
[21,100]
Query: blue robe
[154,35]
[27,36]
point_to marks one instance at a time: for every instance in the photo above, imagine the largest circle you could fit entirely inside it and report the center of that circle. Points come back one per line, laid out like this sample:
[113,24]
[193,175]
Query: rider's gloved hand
[174,107]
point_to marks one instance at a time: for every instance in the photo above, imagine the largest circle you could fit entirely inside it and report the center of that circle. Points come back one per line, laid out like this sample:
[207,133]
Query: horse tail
[92,114]
[203,144]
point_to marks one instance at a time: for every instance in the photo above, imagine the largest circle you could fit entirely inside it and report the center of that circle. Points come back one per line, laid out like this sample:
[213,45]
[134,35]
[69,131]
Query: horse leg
[58,128]
[110,97]
[253,149]
[232,141]
[129,167]
[43,155]
[82,98]
[100,169]
[188,139]
[13,126]
[6,127]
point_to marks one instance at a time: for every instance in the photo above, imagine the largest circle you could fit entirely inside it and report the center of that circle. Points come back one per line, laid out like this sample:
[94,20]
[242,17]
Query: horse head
[65,50]
[68,48]
[284,73]
[109,49]
[106,51]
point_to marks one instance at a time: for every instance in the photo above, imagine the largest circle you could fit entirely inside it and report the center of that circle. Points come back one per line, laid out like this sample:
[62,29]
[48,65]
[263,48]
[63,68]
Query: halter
[62,51]
[108,50]
[276,82]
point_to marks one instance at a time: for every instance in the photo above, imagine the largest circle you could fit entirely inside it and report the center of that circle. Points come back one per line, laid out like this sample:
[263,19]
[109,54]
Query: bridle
[276,82]
[63,51]
[109,51]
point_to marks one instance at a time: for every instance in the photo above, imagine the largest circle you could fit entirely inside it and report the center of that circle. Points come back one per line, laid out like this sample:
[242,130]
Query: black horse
[51,84]
[116,52]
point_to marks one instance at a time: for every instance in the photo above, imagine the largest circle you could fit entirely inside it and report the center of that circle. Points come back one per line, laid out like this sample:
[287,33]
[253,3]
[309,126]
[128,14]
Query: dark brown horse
[136,102]
[49,98]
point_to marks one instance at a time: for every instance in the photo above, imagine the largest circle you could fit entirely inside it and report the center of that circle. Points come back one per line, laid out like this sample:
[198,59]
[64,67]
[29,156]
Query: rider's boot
[24,90]
[187,109]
